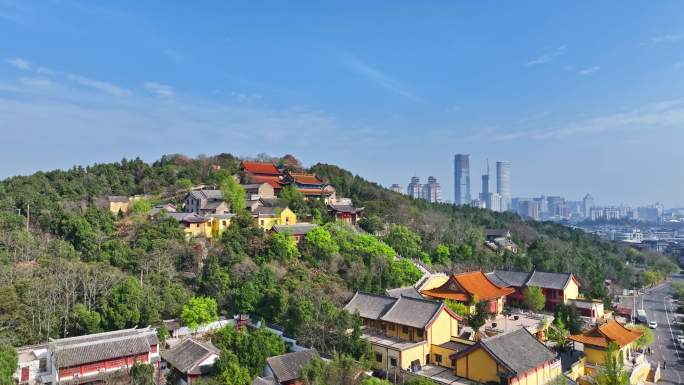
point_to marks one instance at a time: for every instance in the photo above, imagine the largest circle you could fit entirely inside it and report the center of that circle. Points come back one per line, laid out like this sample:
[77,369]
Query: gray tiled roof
[264,381]
[287,367]
[512,278]
[369,305]
[408,291]
[555,281]
[496,280]
[187,356]
[296,229]
[102,346]
[207,194]
[347,208]
[412,312]
[519,350]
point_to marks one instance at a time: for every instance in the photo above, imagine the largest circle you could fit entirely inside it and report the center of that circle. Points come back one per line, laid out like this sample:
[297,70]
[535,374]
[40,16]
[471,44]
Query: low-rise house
[204,202]
[492,234]
[312,186]
[590,308]
[165,207]
[286,369]
[499,240]
[118,203]
[191,359]
[93,358]
[297,230]
[262,172]
[255,191]
[408,291]
[269,216]
[558,288]
[511,358]
[594,343]
[467,288]
[406,332]
[346,213]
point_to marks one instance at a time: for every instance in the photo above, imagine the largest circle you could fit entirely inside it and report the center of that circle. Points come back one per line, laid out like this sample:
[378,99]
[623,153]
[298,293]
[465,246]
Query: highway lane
[658,307]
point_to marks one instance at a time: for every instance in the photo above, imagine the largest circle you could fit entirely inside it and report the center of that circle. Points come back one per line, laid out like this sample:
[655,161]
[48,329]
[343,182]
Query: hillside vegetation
[81,269]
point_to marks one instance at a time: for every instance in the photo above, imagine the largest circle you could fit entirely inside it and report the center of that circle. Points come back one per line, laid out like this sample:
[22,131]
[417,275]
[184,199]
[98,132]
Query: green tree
[652,277]
[199,311]
[291,197]
[319,244]
[87,321]
[375,381]
[283,247]
[477,318]
[534,298]
[570,317]
[612,371]
[405,272]
[404,241]
[647,338]
[142,374]
[140,206]
[441,254]
[232,191]
[124,306]
[8,364]
[558,334]
[458,308]
[229,371]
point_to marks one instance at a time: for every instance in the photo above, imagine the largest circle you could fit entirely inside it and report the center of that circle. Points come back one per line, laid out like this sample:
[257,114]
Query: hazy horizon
[584,98]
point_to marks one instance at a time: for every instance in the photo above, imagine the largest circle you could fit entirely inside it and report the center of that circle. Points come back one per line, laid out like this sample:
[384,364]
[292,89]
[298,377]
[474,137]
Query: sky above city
[581,97]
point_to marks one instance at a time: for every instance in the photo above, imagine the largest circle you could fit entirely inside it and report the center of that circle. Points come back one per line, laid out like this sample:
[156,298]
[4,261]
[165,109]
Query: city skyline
[575,110]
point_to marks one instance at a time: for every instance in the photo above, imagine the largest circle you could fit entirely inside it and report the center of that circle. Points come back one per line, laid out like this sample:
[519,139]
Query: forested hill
[79,269]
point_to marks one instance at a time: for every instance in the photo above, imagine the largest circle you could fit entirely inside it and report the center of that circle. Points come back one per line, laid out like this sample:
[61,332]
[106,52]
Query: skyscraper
[432,190]
[503,183]
[587,204]
[462,179]
[414,188]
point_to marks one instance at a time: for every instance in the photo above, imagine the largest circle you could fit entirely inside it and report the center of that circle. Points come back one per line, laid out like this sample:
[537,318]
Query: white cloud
[36,82]
[19,63]
[547,57]
[664,114]
[589,71]
[672,38]
[376,76]
[107,88]
[161,90]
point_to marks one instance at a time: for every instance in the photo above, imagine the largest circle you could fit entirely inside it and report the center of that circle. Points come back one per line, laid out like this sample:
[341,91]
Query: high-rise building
[396,188]
[528,208]
[587,204]
[485,185]
[494,202]
[503,183]
[462,179]
[432,190]
[414,188]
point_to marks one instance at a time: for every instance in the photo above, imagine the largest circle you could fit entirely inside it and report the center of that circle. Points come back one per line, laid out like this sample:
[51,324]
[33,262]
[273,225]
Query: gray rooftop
[207,194]
[511,278]
[102,346]
[555,281]
[369,305]
[496,232]
[264,381]
[287,367]
[412,312]
[404,310]
[347,208]
[408,291]
[296,229]
[519,350]
[188,356]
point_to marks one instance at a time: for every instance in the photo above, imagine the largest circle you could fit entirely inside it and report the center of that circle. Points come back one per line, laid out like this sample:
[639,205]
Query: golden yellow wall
[416,353]
[444,352]
[434,281]
[217,226]
[114,207]
[478,365]
[571,291]
[442,329]
[287,217]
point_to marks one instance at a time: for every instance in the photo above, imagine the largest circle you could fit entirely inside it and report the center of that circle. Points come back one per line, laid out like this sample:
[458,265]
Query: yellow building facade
[267,217]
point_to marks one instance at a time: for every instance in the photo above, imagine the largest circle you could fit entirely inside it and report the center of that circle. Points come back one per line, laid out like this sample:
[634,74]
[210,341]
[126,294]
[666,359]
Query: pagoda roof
[611,331]
[465,287]
[262,168]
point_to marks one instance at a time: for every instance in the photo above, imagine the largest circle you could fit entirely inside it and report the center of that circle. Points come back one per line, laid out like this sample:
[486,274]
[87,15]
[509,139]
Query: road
[658,307]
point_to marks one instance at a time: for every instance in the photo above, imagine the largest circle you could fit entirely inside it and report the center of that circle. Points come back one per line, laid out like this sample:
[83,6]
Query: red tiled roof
[611,331]
[314,191]
[306,178]
[260,168]
[463,287]
[274,181]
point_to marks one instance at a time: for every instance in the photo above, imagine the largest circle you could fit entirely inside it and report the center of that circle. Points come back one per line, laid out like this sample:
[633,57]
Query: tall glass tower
[503,183]
[462,179]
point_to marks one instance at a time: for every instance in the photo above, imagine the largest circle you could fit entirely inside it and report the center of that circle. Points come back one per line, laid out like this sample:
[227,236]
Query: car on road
[652,324]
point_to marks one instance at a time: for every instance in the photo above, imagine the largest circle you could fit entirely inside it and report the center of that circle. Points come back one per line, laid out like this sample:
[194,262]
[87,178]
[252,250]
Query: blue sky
[583,97]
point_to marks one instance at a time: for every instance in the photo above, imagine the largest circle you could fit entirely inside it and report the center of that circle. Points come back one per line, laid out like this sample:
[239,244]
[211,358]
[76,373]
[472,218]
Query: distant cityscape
[653,226]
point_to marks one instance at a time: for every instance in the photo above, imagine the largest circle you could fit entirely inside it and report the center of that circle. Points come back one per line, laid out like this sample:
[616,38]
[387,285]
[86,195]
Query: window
[404,329]
[42,365]
[438,358]
[453,362]
[393,361]
[378,357]
[419,333]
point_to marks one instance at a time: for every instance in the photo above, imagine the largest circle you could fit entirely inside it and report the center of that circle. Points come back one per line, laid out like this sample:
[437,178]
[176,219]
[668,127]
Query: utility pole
[28,215]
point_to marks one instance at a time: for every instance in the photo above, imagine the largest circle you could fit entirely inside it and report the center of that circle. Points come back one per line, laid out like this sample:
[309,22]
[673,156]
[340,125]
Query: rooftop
[189,354]
[347,209]
[260,168]
[602,335]
[408,291]
[102,346]
[404,310]
[286,367]
[462,287]
[296,229]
